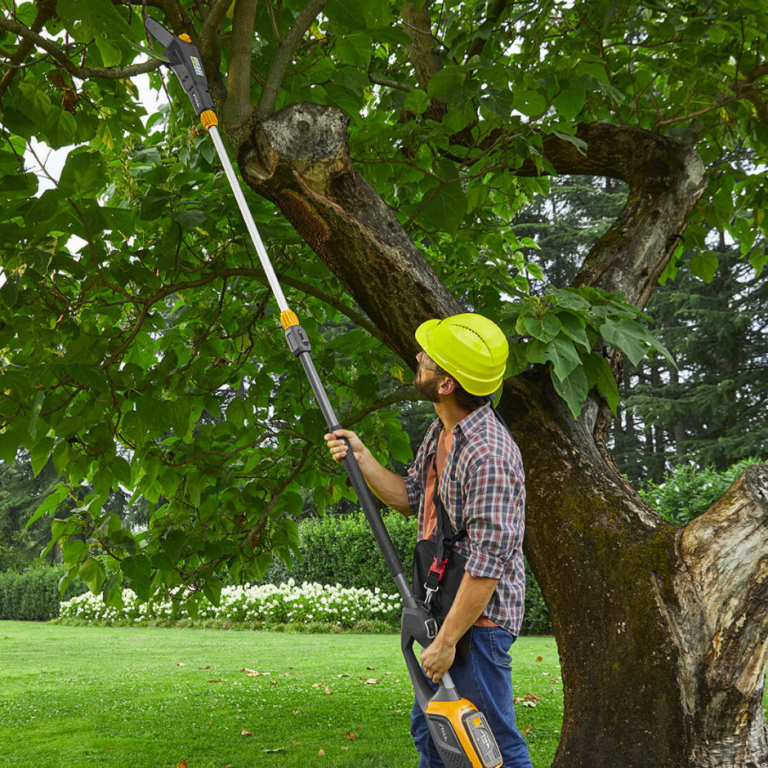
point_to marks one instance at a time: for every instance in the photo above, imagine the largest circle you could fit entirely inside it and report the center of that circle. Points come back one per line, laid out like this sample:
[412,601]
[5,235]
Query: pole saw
[459,730]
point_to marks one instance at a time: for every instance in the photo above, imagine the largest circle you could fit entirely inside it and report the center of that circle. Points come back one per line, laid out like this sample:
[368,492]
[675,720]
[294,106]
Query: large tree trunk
[661,630]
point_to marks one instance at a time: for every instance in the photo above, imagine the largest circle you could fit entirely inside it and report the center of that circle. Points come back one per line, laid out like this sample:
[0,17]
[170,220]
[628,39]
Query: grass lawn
[77,696]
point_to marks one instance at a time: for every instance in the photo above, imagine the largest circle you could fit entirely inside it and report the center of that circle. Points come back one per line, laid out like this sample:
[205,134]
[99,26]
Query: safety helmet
[470,347]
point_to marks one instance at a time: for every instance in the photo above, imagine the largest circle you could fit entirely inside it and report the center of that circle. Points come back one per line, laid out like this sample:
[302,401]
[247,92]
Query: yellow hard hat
[470,347]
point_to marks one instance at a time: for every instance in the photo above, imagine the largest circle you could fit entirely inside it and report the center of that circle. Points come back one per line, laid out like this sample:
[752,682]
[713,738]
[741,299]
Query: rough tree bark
[661,629]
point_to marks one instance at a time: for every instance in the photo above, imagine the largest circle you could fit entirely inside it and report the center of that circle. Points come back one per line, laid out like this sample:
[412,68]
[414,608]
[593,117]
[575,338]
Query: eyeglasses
[428,364]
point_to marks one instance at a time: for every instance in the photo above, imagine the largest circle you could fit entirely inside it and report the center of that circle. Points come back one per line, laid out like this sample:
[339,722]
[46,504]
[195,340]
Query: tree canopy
[134,307]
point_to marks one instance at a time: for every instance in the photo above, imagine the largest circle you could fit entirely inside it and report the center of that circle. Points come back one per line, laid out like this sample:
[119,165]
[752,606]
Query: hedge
[34,595]
[342,548]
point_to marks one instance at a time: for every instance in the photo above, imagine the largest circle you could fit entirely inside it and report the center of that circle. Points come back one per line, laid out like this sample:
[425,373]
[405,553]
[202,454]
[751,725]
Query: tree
[709,408]
[399,140]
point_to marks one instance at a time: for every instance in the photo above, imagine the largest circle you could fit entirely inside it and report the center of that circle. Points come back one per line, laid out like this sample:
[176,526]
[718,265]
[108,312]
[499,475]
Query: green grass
[82,696]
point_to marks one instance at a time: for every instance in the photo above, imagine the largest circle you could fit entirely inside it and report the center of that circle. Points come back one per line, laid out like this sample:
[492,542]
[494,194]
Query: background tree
[399,141]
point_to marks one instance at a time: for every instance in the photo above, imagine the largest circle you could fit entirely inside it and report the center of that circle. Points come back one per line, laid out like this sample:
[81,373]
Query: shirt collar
[470,424]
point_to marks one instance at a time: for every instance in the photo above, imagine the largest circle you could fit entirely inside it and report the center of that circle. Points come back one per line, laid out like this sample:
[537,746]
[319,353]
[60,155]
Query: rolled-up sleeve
[494,507]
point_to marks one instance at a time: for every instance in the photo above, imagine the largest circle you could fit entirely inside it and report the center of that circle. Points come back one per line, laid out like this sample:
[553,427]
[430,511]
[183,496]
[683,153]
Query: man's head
[463,355]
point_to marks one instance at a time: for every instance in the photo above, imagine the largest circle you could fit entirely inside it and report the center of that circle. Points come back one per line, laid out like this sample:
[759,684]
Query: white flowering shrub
[270,604]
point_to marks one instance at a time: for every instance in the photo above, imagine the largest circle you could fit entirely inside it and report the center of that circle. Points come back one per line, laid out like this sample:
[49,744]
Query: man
[481,484]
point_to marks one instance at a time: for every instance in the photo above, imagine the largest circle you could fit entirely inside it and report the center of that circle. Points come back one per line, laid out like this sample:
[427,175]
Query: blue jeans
[486,680]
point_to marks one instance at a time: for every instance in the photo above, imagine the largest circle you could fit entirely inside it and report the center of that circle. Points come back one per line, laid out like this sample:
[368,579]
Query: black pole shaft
[301,348]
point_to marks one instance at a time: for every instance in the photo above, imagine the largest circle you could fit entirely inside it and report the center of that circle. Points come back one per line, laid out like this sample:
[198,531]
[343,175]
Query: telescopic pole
[418,624]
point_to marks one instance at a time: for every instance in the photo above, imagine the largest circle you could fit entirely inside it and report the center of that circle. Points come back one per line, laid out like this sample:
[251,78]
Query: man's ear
[447,386]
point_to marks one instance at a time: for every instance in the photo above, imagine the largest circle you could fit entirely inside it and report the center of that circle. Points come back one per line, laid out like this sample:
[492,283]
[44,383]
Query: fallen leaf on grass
[180,664]
[217,680]
[529,700]
[328,690]
[182,764]
[206,667]
[526,730]
[352,735]
[371,680]
[246,732]
[539,658]
[316,685]
[321,752]
[253,673]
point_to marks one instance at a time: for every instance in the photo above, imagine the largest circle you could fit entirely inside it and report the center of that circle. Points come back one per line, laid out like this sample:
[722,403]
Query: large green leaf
[446,208]
[573,389]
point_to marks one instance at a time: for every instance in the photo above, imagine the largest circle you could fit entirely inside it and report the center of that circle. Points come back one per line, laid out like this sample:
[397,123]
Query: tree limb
[211,23]
[46,9]
[82,73]
[238,105]
[387,83]
[288,45]
[424,54]
[400,395]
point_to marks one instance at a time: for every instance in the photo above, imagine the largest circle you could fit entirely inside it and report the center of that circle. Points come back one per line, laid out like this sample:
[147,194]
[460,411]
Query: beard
[427,387]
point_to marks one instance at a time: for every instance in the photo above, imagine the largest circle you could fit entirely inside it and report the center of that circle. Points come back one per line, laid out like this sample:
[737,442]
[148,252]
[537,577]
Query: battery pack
[462,735]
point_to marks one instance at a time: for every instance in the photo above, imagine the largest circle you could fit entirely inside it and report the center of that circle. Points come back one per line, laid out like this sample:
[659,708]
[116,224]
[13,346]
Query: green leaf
[574,327]
[544,328]
[629,336]
[573,389]
[600,375]
[517,361]
[530,103]
[40,454]
[444,80]
[58,494]
[416,101]
[212,590]
[446,209]
[704,265]
[189,219]
[570,101]
[92,573]
[138,569]
[84,174]
[121,470]
[563,355]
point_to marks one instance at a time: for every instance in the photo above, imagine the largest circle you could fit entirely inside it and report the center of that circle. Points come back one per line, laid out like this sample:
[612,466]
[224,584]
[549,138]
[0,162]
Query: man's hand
[437,658]
[468,605]
[388,486]
[338,447]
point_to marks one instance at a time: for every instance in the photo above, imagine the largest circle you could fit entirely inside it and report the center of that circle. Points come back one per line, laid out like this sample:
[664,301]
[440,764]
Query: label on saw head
[196,65]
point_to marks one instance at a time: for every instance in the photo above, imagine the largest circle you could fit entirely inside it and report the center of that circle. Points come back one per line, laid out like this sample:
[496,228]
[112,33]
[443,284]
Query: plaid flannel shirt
[482,488]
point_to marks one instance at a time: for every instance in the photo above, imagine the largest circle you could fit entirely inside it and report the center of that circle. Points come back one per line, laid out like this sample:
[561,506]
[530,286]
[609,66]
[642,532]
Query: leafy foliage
[139,348]
[688,491]
[34,595]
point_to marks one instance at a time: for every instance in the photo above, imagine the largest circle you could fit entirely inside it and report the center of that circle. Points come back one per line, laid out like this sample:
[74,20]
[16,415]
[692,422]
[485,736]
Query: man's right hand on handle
[388,486]
[338,447]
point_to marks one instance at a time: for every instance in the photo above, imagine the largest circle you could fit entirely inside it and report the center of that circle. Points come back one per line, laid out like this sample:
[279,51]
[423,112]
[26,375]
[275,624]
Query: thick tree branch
[238,106]
[288,46]
[424,54]
[211,24]
[299,159]
[666,179]
[83,73]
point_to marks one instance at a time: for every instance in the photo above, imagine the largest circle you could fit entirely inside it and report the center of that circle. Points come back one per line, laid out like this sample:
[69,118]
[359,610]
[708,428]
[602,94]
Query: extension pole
[446,711]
